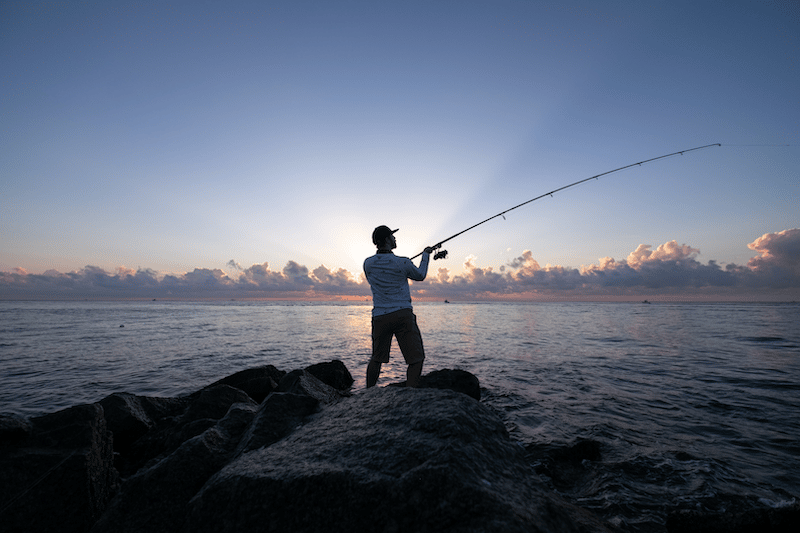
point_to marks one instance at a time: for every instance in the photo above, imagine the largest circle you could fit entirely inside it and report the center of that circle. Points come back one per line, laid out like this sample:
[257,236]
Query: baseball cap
[380,234]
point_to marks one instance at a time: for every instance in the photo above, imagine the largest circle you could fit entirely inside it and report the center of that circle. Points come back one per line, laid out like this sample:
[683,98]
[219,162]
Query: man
[392,314]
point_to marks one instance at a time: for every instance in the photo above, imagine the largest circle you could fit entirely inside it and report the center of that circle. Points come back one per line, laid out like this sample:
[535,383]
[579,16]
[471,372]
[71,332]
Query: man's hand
[430,249]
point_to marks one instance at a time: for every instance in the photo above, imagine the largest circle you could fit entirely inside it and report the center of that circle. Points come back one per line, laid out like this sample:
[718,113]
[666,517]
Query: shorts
[401,324]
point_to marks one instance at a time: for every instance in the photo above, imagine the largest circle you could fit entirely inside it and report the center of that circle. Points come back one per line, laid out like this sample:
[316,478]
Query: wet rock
[389,459]
[214,402]
[60,476]
[154,500]
[277,416]
[303,382]
[126,418]
[201,412]
[332,373]
[134,420]
[13,429]
[565,467]
[256,382]
[456,380]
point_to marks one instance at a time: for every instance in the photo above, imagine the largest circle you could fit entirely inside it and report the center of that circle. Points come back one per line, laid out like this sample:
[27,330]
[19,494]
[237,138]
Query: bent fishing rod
[443,253]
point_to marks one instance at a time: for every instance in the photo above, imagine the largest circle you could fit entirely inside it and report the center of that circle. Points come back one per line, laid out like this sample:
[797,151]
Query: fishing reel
[441,254]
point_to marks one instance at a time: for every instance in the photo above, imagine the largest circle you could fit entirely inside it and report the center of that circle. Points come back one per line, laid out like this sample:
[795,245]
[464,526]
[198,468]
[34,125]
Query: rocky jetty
[267,450]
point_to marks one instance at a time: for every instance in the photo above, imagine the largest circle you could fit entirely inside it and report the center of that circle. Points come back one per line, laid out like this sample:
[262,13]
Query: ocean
[692,405]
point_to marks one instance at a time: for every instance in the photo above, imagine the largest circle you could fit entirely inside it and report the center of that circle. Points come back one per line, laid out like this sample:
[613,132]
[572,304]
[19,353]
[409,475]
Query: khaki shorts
[401,324]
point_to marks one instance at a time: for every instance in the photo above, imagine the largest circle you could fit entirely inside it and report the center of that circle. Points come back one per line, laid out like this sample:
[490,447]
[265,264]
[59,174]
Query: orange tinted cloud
[669,269]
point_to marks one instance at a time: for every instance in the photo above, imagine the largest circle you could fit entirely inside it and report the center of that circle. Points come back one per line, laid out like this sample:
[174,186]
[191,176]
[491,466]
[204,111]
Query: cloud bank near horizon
[670,270]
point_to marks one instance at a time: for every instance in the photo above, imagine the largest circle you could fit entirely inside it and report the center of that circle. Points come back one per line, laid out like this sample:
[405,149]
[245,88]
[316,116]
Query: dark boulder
[303,382]
[389,459]
[332,373]
[126,419]
[256,382]
[134,420]
[565,467]
[277,416]
[60,475]
[214,402]
[154,500]
[201,411]
[13,429]
[456,380]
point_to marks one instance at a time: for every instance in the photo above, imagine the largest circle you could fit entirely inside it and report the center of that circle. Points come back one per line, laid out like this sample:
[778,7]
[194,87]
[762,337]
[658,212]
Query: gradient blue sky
[172,136]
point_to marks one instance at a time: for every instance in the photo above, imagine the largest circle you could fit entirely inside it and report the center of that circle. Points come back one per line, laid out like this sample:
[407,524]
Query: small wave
[763,340]
[770,342]
[777,505]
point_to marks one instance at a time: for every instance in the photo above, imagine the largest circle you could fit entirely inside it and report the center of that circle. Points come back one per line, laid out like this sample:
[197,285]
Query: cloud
[778,264]
[667,252]
[670,270]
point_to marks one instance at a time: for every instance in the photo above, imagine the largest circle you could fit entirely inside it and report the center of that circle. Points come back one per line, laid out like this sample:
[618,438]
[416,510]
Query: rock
[159,409]
[214,402]
[202,410]
[457,380]
[389,459]
[13,429]
[256,382]
[60,476]
[333,373]
[132,418]
[154,500]
[126,419]
[566,467]
[277,416]
[303,382]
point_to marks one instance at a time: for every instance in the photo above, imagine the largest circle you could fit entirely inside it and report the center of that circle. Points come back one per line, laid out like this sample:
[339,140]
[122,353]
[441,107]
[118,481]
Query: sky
[249,148]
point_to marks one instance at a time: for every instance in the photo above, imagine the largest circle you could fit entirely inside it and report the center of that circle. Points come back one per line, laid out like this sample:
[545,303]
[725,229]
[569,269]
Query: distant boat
[447,301]
[645,302]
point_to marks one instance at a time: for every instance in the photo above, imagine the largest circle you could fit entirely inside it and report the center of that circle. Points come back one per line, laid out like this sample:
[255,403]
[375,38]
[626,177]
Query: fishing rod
[443,253]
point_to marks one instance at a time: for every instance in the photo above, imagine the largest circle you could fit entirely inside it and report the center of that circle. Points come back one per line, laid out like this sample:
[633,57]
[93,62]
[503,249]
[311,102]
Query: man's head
[380,235]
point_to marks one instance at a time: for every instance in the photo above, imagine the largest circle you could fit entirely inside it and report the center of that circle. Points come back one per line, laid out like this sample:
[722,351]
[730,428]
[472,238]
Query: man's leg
[413,374]
[410,340]
[373,371]
[382,333]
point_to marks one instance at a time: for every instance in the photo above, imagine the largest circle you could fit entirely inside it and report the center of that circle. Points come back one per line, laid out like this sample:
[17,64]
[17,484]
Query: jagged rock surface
[390,459]
[457,380]
[332,373]
[256,382]
[57,471]
[154,500]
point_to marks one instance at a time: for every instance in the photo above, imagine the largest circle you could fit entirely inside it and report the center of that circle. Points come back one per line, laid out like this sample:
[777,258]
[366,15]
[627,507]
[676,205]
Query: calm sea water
[692,405]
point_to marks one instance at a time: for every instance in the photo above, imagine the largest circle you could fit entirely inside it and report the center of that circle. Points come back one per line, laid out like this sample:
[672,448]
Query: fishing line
[759,145]
[443,253]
